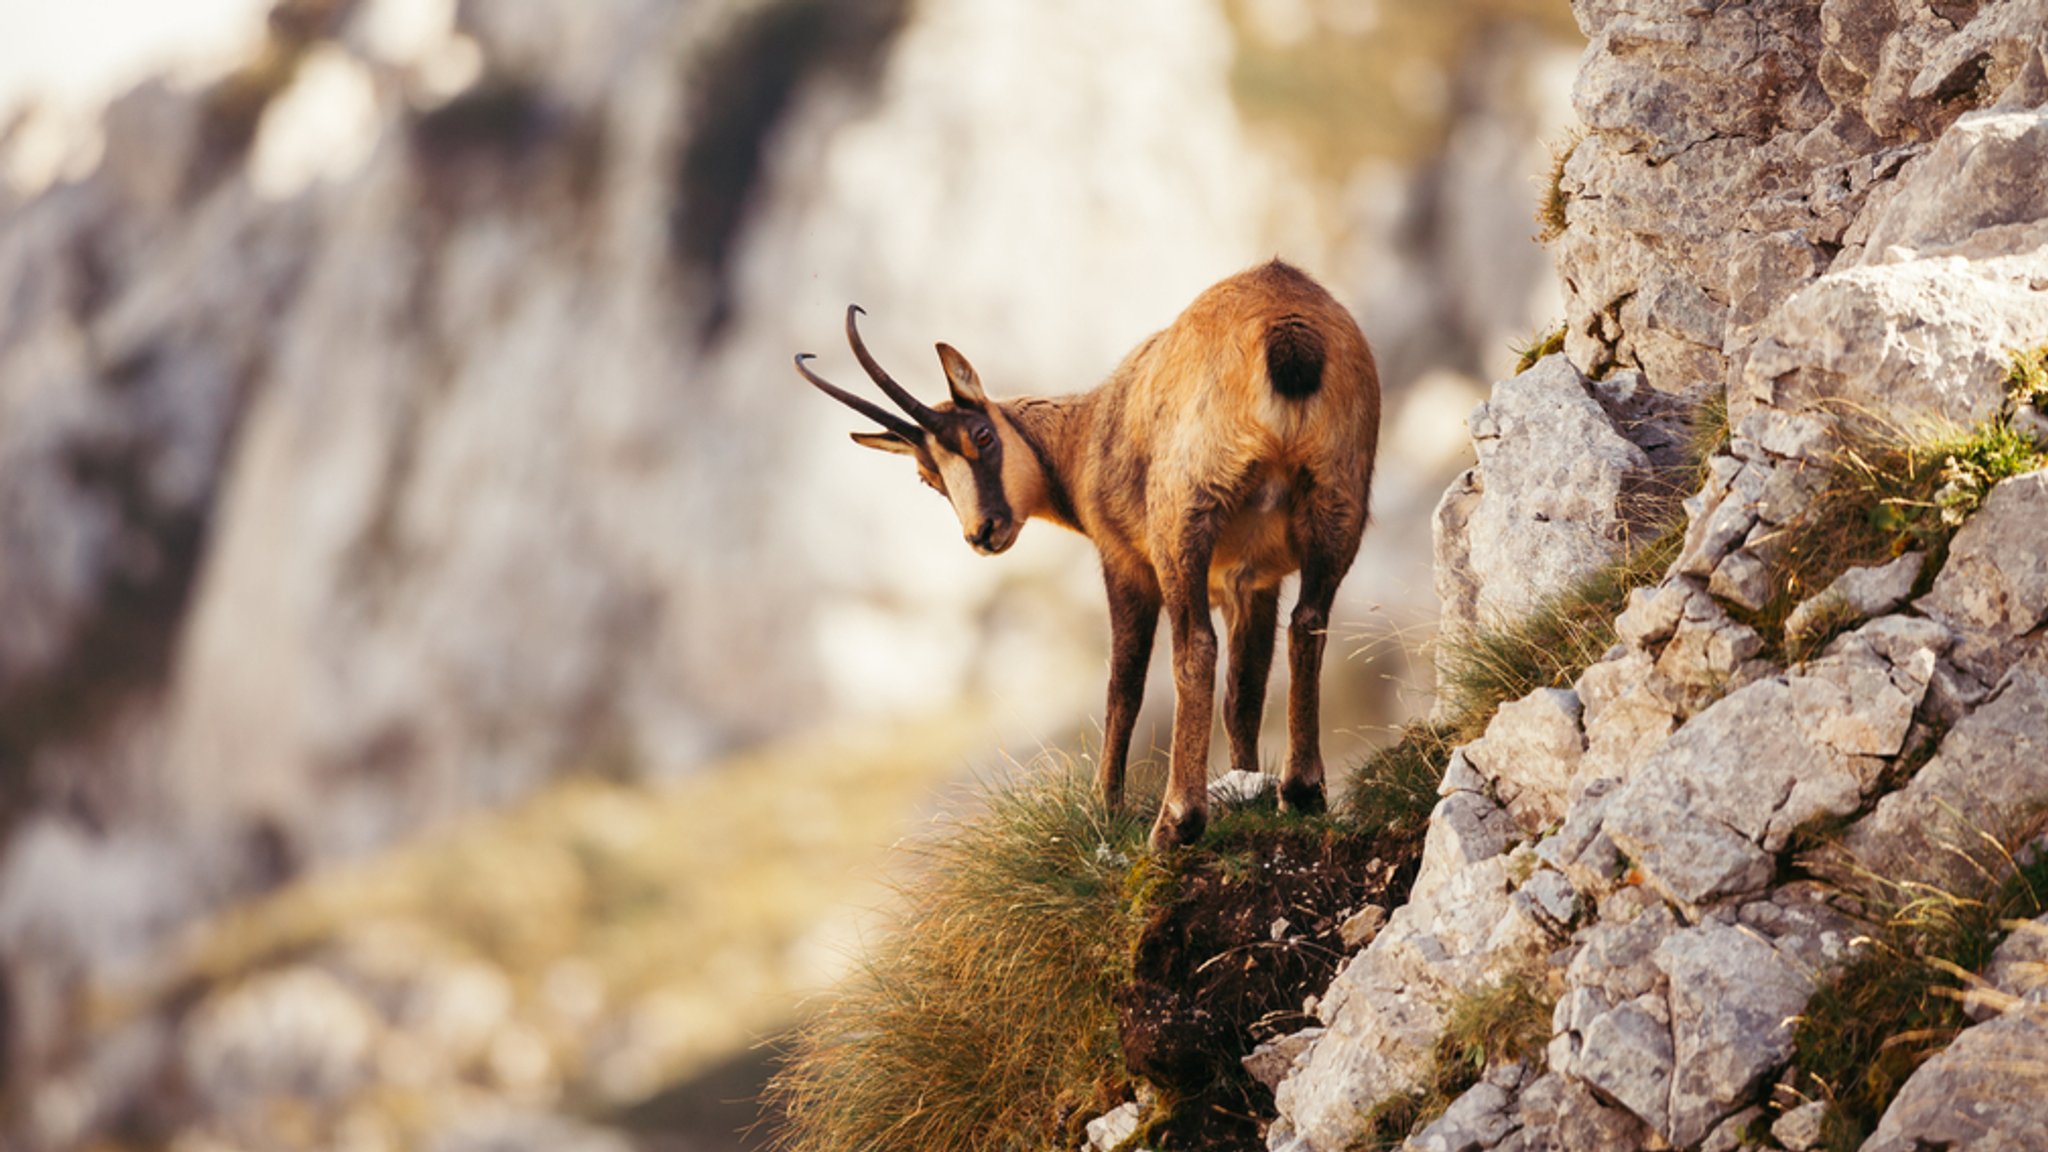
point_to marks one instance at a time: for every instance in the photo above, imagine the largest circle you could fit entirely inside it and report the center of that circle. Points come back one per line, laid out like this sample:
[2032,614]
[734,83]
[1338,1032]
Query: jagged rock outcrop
[1829,212]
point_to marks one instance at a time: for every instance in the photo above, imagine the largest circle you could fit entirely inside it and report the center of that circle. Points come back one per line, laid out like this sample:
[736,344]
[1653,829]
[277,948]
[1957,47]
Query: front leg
[1133,621]
[1184,812]
[1252,616]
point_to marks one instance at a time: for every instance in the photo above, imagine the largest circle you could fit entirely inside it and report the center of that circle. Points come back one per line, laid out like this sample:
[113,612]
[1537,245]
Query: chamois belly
[1252,549]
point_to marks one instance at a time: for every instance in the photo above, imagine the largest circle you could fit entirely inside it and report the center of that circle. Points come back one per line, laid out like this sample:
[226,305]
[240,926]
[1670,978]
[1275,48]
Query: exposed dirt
[1216,971]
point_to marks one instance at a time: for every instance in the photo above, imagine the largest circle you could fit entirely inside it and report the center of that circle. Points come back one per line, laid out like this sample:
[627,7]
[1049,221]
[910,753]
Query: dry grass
[987,1018]
[1866,1031]
[1395,788]
[1890,490]
[995,1013]
[1552,211]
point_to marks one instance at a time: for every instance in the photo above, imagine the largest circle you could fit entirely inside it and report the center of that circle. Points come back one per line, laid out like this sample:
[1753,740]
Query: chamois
[1225,452]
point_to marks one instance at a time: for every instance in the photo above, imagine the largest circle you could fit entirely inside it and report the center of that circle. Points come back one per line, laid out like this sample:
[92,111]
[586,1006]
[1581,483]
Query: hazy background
[458,687]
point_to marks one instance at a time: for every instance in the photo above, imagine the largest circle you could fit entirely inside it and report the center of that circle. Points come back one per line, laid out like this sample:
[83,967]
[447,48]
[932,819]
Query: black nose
[985,536]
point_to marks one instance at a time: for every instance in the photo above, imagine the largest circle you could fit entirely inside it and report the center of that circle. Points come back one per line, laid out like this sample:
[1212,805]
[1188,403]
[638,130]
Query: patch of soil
[1244,930]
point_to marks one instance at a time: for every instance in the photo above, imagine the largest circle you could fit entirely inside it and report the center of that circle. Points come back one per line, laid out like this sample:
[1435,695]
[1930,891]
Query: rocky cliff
[1835,215]
[402,421]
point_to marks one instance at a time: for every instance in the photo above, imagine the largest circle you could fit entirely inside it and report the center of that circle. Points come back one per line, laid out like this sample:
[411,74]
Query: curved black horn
[902,428]
[926,417]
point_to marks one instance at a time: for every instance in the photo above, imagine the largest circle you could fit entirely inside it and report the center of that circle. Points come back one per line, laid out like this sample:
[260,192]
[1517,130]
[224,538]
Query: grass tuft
[1502,1023]
[1865,1032]
[1889,491]
[1552,211]
[1395,788]
[1045,963]
[1537,347]
[988,1018]
[1550,646]
[2026,381]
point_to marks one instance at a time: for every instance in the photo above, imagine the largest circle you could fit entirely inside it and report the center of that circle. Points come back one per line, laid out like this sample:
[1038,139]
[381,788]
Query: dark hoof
[1171,831]
[1300,796]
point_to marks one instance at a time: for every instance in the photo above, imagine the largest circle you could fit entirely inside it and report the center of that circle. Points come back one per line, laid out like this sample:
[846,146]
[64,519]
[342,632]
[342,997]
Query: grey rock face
[1476,1120]
[1734,999]
[1543,507]
[1706,814]
[1994,589]
[1985,774]
[1530,752]
[1986,1091]
[1838,340]
[1990,202]
[1627,1054]
[1857,595]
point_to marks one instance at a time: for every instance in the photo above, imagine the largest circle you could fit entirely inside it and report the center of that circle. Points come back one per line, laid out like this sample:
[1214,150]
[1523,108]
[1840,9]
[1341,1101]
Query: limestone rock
[1561,1114]
[1530,751]
[1239,787]
[1386,1006]
[1477,1119]
[1706,814]
[1800,1129]
[1986,771]
[1857,595]
[1994,589]
[1986,1091]
[1627,1054]
[1734,1000]
[1545,497]
[1113,1127]
[1991,201]
[1272,1060]
[1844,340]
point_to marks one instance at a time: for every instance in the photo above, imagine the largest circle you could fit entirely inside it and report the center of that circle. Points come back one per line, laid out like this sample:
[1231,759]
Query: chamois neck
[1051,426]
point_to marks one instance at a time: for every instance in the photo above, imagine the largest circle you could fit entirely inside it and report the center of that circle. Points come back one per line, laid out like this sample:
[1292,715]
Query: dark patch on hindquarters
[1294,358]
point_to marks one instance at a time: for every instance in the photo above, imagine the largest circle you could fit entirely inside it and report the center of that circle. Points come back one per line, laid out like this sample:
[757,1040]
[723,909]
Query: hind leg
[1328,541]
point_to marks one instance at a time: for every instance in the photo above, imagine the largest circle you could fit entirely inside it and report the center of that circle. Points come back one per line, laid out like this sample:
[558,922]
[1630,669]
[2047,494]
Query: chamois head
[960,446]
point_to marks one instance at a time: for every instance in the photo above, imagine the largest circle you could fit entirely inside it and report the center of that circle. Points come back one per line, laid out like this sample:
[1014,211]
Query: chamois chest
[1252,548]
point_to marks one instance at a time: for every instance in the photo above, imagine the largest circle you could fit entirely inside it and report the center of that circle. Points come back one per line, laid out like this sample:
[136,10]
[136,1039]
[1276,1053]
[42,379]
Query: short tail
[1294,358]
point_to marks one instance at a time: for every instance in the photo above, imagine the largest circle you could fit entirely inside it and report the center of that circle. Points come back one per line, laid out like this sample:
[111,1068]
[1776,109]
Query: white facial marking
[961,490]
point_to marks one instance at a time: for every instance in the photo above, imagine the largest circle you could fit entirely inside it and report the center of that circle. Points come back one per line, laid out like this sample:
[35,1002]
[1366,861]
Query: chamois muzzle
[995,535]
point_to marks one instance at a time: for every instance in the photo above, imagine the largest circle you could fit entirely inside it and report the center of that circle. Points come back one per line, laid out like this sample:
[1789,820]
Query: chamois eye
[984,437]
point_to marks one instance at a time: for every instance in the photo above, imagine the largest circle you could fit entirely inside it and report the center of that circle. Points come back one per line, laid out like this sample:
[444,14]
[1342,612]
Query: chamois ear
[884,441]
[961,378]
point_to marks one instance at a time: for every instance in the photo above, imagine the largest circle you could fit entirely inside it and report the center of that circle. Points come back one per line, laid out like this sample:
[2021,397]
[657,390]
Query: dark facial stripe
[988,481]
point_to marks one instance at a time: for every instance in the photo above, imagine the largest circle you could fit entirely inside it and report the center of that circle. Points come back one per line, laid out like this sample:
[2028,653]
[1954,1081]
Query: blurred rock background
[396,425]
